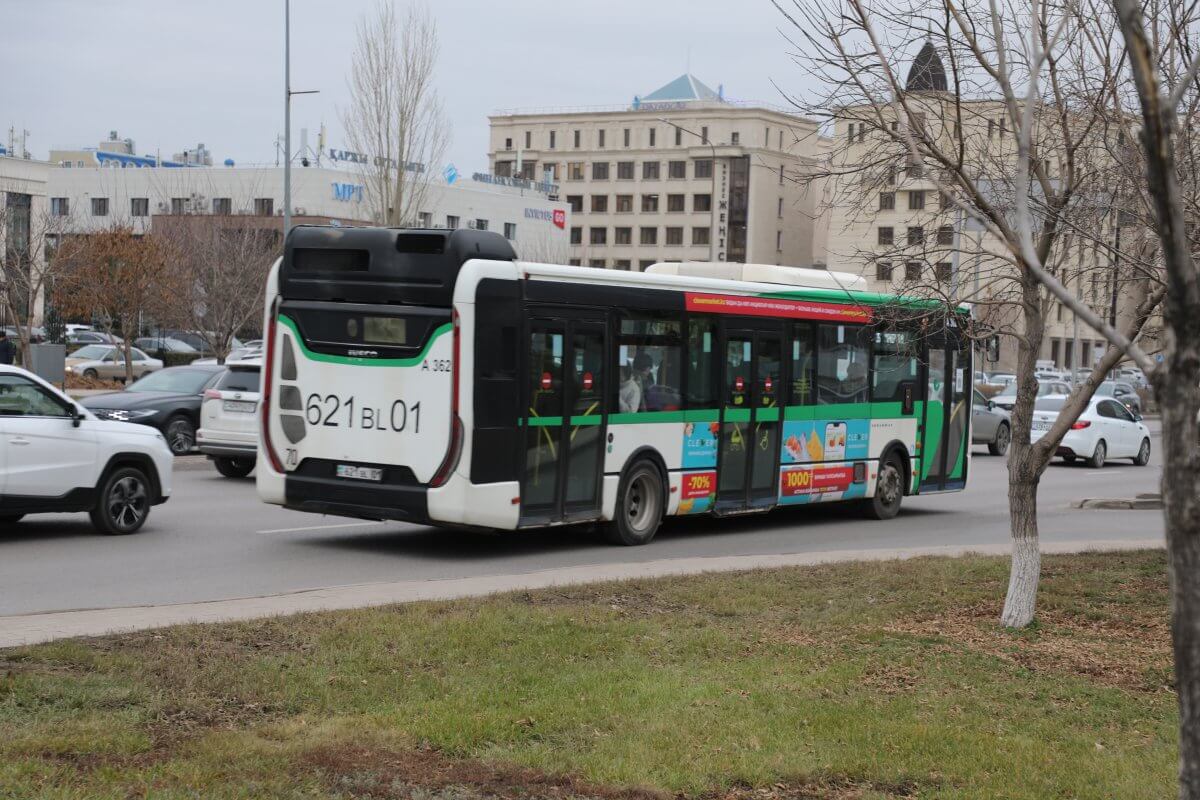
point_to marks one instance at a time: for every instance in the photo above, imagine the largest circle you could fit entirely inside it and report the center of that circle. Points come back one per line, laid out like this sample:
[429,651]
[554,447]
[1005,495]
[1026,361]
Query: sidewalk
[34,628]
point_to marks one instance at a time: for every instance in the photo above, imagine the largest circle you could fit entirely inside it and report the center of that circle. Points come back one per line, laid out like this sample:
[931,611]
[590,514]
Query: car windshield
[179,381]
[1049,404]
[93,352]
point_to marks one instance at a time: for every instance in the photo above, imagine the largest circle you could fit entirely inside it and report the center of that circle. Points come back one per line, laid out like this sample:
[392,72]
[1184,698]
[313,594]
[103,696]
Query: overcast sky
[171,74]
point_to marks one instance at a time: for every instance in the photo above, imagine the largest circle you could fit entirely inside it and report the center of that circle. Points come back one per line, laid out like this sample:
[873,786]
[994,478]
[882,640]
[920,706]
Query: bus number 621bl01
[332,411]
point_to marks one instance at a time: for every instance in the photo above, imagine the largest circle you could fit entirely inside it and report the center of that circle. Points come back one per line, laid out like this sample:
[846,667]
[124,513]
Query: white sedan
[1106,429]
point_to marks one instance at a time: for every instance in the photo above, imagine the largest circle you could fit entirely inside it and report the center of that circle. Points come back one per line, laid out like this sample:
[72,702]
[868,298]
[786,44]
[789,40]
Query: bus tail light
[265,403]
[454,451]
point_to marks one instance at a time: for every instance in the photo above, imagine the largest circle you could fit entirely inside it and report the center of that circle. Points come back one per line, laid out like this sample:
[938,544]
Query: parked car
[239,354]
[196,339]
[60,458]
[168,399]
[1001,378]
[990,425]
[1124,392]
[108,361]
[165,343]
[92,337]
[36,335]
[1106,429]
[75,327]
[228,432]
[1007,399]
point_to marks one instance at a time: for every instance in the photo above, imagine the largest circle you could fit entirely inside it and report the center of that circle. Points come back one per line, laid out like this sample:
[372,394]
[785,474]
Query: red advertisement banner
[774,307]
[815,480]
[698,484]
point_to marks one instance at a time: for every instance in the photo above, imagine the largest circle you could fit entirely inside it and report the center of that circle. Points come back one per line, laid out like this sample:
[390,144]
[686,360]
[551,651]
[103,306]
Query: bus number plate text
[334,411]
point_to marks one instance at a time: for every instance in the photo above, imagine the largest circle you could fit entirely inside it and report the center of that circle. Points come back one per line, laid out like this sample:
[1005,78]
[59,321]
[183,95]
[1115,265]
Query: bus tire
[889,489]
[641,500]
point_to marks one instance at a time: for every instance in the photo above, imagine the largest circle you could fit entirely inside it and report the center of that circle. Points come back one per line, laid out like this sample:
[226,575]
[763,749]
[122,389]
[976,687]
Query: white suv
[57,457]
[229,420]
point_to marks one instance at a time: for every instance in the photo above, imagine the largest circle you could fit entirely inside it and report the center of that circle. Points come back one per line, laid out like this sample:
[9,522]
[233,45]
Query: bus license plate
[359,473]
[240,406]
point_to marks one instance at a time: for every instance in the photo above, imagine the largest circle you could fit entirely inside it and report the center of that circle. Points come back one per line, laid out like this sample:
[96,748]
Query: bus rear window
[386,330]
[312,259]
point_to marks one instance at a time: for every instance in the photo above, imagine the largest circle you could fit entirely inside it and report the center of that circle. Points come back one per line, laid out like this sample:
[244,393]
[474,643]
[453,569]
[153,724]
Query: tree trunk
[1181,493]
[128,348]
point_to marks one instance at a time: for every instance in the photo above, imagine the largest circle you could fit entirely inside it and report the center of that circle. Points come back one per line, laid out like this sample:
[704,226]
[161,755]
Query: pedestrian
[8,351]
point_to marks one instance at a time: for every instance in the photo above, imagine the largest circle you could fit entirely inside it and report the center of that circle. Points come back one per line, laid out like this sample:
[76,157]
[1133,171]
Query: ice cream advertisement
[812,441]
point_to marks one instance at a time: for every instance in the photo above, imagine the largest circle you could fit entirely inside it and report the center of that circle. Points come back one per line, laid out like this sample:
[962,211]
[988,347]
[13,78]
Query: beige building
[26,229]
[891,223]
[681,174]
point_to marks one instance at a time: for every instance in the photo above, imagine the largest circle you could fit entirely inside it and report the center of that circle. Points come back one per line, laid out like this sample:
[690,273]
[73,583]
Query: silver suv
[229,420]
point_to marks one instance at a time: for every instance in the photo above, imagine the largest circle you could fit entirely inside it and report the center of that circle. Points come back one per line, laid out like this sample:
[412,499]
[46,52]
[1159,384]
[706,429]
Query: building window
[510,231]
[598,263]
[575,171]
[576,234]
[552,139]
[735,138]
[702,168]
[674,236]
[599,170]
[886,236]
[652,133]
[622,235]
[598,235]
[916,234]
[140,207]
[883,271]
[704,135]
[912,271]
[508,143]
[528,139]
[887,201]
[781,174]
[916,200]
[649,203]
[678,136]
[643,263]
[451,222]
[767,136]
[942,271]
[624,170]
[99,206]
[424,219]
[991,128]
[576,140]
[701,236]
[779,209]
[778,241]
[850,133]
[263,206]
[504,169]
[650,170]
[574,262]
[944,203]
[676,170]
[599,204]
[649,236]
[626,137]
[600,138]
[624,204]
[622,263]
[575,201]
[481,224]
[676,203]
[220,205]
[945,235]
[60,207]
[702,202]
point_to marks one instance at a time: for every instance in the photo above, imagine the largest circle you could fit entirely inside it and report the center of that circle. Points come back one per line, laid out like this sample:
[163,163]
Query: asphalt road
[215,540]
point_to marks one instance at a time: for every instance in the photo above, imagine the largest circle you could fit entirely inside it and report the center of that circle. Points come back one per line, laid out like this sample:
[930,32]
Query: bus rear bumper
[315,489]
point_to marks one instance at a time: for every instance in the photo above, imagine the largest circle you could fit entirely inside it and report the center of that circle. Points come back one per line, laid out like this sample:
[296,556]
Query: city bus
[431,376]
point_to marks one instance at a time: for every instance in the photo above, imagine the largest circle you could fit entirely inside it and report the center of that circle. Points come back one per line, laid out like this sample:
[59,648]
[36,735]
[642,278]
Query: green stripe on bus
[768,415]
[543,422]
[737,415]
[588,420]
[645,417]
[847,298]
[702,415]
[365,362]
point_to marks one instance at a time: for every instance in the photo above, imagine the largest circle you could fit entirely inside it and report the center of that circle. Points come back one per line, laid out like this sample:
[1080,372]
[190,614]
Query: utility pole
[287,116]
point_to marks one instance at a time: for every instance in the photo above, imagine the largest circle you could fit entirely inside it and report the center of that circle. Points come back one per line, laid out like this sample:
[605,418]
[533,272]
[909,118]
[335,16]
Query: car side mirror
[991,405]
[77,416]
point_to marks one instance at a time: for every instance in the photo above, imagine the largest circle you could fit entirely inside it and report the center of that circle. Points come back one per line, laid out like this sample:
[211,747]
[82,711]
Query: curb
[1139,503]
[35,628]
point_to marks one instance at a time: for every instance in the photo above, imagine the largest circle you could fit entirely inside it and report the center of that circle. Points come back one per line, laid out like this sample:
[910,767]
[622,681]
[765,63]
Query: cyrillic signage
[775,307]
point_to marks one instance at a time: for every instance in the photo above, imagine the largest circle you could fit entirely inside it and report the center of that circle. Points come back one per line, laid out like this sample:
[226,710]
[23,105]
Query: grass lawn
[878,680]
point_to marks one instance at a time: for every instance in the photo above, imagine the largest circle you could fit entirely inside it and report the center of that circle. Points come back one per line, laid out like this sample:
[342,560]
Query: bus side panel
[269,483]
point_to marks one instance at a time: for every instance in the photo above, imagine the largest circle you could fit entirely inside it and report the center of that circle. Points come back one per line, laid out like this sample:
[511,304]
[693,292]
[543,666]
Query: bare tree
[395,119]
[1032,172]
[218,273]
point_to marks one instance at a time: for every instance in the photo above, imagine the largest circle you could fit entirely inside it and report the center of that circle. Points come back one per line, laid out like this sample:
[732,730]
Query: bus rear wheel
[889,489]
[640,501]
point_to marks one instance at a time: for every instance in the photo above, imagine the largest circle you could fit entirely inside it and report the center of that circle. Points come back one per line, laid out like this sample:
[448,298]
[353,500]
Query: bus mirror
[906,402]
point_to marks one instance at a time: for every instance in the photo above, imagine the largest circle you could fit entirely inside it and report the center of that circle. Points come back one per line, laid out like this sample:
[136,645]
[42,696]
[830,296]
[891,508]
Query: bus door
[565,417]
[945,435]
[748,450]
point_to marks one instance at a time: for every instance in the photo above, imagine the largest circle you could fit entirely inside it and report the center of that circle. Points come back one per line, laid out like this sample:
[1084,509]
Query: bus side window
[802,365]
[650,358]
[842,368]
[895,364]
[702,363]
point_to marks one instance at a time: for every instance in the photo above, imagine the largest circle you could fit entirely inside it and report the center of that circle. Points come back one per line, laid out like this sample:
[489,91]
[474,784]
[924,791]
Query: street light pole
[287,116]
[713,205]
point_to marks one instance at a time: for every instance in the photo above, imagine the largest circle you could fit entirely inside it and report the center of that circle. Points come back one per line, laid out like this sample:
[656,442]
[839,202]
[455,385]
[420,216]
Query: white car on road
[229,420]
[57,457]
[1105,430]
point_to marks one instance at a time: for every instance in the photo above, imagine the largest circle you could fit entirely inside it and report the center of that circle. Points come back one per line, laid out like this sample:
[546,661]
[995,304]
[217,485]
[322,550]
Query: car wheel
[234,467]
[91,373]
[9,519]
[124,502]
[640,501]
[999,446]
[180,434]
[1143,456]
[889,490]
[1097,459]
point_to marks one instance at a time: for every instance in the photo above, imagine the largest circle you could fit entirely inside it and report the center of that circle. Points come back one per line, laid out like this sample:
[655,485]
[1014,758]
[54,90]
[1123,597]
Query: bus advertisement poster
[812,484]
[697,491]
[700,444]
[806,441]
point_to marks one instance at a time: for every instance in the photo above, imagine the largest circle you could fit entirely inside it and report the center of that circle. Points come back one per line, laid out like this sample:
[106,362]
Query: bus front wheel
[640,501]
[889,489]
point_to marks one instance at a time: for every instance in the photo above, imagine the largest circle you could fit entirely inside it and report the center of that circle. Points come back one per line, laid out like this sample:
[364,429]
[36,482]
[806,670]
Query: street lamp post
[287,116]
[713,204]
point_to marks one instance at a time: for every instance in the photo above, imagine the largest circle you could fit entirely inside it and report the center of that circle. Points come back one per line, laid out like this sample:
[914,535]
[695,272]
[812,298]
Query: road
[214,540]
